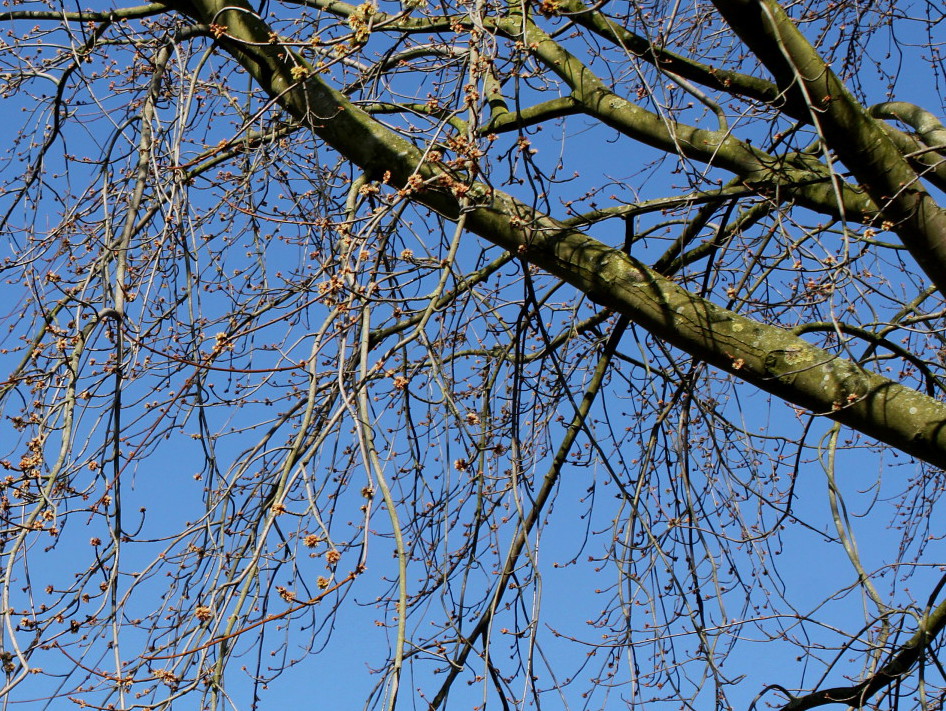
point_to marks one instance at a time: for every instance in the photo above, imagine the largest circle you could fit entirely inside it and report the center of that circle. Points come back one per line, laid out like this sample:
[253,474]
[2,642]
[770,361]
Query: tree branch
[900,664]
[766,356]
[122,13]
[853,135]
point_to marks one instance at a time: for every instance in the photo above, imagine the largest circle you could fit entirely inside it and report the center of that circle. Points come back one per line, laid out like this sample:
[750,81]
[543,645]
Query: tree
[321,313]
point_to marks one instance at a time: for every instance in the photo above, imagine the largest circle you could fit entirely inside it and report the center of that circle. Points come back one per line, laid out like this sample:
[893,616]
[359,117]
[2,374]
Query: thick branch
[847,128]
[729,81]
[802,177]
[766,356]
[758,89]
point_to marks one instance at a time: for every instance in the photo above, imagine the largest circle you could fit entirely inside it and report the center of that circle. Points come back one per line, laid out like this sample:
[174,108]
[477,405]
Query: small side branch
[900,664]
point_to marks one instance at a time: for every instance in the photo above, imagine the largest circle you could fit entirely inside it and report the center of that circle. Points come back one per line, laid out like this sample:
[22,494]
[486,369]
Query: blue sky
[169,479]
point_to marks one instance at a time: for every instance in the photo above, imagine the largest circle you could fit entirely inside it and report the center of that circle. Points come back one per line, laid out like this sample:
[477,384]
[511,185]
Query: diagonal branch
[857,139]
[900,663]
[766,356]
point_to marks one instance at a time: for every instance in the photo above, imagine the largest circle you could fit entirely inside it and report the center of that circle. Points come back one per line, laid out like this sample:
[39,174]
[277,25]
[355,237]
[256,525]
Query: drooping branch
[471,368]
[798,176]
[927,125]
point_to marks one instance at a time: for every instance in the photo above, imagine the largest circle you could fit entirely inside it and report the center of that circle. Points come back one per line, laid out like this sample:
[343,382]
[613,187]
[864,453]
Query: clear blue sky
[573,586]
